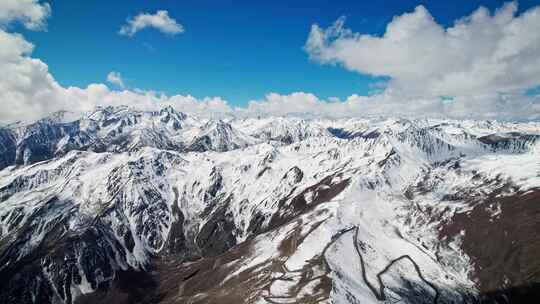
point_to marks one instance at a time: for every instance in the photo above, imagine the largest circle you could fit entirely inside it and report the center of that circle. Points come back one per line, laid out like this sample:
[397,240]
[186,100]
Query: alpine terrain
[120,205]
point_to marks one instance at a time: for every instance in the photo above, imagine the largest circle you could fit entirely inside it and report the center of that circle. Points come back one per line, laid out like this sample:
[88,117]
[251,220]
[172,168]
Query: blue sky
[239,50]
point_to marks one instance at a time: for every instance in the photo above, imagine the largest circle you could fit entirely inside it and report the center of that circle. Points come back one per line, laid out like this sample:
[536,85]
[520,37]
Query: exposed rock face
[123,206]
[505,266]
[8,147]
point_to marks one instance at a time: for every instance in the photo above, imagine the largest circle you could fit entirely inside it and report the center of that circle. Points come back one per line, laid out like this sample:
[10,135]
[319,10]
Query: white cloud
[94,95]
[481,54]
[26,87]
[491,106]
[277,104]
[30,13]
[28,91]
[116,79]
[160,20]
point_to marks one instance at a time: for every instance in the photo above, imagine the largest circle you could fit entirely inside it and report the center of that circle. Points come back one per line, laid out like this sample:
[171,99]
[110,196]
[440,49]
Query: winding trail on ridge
[380,294]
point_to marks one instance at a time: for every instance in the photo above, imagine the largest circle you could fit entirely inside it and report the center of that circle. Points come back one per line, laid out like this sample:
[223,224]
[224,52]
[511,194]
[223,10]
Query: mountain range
[120,205]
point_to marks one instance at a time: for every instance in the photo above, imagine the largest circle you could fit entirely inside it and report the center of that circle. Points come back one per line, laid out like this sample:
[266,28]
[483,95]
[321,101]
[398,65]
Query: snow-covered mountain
[125,206]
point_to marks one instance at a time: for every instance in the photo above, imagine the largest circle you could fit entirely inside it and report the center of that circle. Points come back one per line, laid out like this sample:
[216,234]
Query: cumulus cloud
[30,13]
[116,79]
[28,91]
[277,104]
[492,106]
[26,86]
[160,21]
[481,54]
[86,99]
